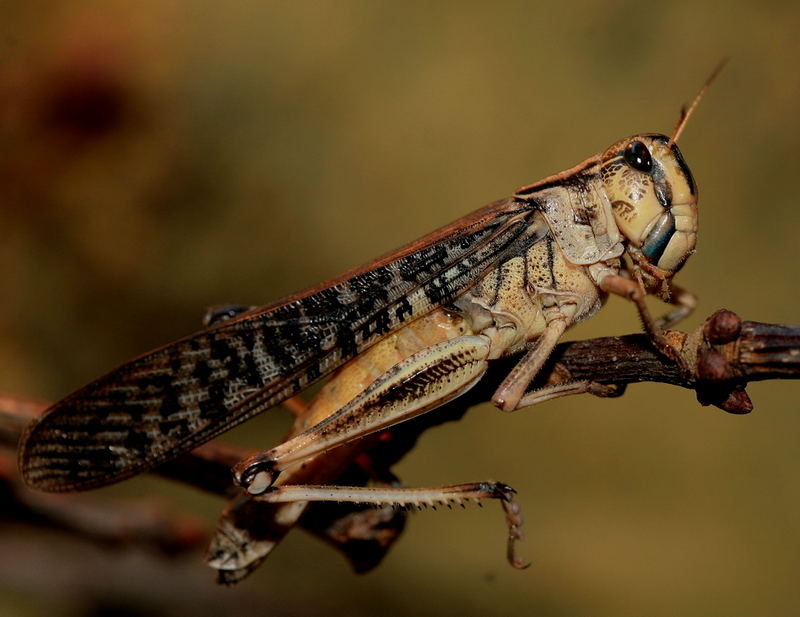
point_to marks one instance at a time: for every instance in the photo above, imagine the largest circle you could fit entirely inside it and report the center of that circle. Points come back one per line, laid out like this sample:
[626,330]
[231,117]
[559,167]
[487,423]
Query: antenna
[687,112]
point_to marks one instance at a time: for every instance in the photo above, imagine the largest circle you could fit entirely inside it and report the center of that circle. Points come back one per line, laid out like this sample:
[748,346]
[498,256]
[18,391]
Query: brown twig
[721,357]
[143,524]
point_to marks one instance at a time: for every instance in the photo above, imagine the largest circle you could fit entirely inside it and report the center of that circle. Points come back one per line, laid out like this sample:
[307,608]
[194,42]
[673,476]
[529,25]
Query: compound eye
[638,156]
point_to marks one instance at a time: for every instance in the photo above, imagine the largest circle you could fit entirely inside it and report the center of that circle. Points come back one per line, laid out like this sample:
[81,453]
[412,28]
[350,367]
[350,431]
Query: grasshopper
[399,336]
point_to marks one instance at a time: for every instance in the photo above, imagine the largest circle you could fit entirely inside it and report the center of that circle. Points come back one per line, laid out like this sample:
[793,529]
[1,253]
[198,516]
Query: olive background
[157,158]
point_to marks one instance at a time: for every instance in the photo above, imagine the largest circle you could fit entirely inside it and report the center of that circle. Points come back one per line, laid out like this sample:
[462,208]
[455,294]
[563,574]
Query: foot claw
[514,521]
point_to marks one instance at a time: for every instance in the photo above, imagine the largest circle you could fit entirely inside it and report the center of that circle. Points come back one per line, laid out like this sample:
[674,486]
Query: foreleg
[634,291]
[684,300]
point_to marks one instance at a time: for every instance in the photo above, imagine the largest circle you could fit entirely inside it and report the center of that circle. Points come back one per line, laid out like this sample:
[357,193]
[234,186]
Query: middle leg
[558,313]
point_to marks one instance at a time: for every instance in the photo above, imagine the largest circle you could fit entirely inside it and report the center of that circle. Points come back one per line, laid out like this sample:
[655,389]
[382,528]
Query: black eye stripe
[661,185]
[684,168]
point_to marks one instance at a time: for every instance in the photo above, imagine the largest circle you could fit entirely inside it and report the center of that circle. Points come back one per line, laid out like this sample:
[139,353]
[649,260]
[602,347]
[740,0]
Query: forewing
[179,396]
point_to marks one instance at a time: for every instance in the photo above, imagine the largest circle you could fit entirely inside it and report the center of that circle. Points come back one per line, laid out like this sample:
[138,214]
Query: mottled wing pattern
[179,396]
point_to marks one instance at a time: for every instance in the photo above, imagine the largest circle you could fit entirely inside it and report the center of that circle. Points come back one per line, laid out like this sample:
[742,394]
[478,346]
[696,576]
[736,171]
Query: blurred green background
[160,157]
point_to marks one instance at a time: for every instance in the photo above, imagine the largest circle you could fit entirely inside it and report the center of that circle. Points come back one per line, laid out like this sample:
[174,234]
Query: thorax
[507,303]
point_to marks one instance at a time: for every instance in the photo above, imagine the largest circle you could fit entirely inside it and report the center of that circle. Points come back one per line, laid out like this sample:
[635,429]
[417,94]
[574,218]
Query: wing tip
[46,465]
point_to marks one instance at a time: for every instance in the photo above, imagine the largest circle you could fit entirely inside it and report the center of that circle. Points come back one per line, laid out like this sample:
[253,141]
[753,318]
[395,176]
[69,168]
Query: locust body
[397,337]
[559,273]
